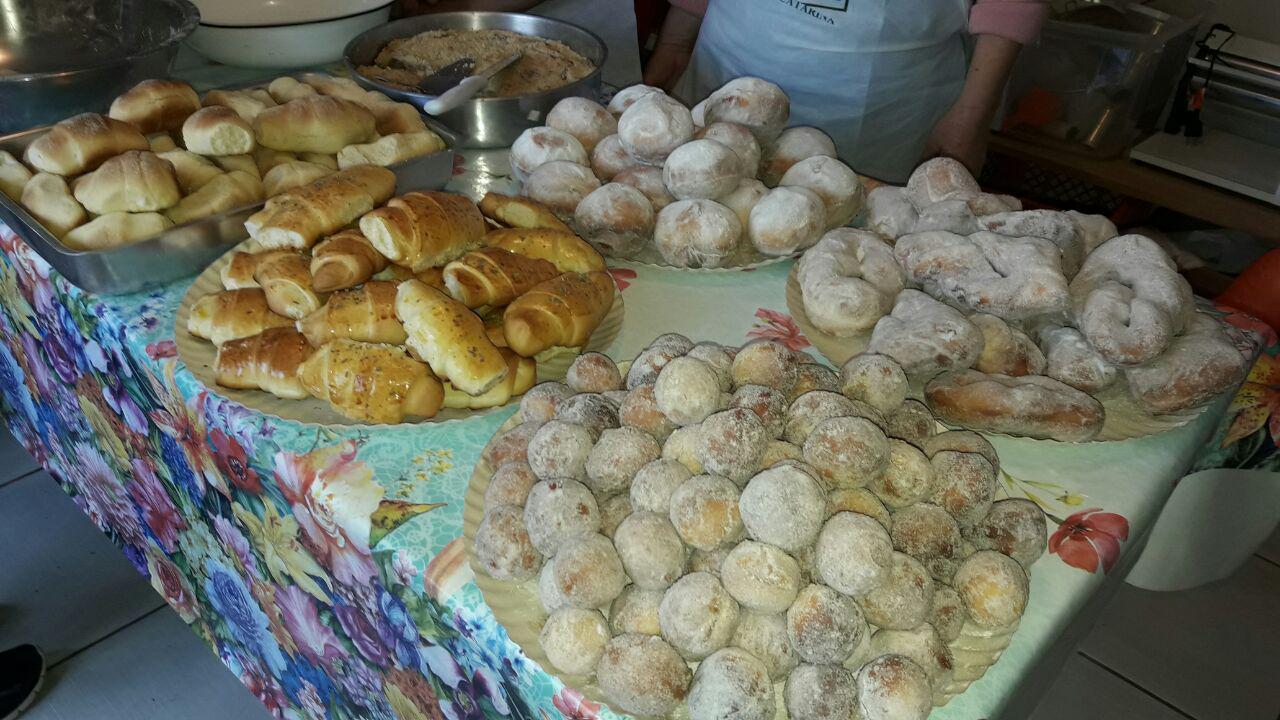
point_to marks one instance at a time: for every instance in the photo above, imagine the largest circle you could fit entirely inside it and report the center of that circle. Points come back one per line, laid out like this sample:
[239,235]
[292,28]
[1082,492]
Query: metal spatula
[468,88]
[446,77]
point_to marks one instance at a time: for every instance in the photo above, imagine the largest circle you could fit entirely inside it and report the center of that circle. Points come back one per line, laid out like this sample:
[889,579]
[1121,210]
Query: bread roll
[339,87]
[391,149]
[587,120]
[1029,406]
[48,199]
[329,160]
[608,159]
[561,312]
[300,217]
[285,89]
[519,212]
[239,272]
[738,139]
[424,229]
[371,382]
[522,373]
[450,338]
[265,159]
[568,252]
[233,314]
[81,143]
[396,117]
[155,105]
[138,181]
[245,105]
[289,175]
[560,185]
[366,313]
[539,145]
[314,124]
[759,105]
[244,163]
[654,126]
[285,278]
[792,146]
[228,191]
[702,169]
[267,361]
[344,260]
[217,130]
[161,143]
[697,233]
[494,276]
[192,171]
[116,229]
[13,176]
[616,219]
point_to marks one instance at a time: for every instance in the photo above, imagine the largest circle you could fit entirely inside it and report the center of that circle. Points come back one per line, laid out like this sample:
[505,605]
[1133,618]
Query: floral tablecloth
[323,566]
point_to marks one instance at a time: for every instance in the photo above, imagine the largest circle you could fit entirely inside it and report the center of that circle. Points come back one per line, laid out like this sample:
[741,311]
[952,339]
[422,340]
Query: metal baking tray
[179,251]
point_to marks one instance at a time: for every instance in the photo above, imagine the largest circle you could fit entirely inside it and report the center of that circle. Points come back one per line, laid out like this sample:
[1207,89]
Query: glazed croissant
[493,276]
[450,338]
[301,216]
[568,252]
[286,280]
[240,271]
[366,313]
[561,312]
[424,229]
[344,260]
[520,212]
[233,314]
[522,373]
[267,361]
[373,382]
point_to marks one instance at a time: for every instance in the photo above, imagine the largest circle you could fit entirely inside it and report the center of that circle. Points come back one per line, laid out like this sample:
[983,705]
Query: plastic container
[1100,74]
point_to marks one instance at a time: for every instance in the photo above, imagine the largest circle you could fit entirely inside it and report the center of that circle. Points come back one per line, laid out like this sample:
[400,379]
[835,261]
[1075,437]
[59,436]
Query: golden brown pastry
[245,104]
[329,160]
[265,159]
[289,175]
[424,229]
[193,171]
[224,192]
[449,337]
[298,218]
[156,105]
[522,373]
[314,124]
[217,130]
[339,87]
[1006,350]
[568,252]
[391,149]
[561,312]
[395,117]
[81,143]
[493,276]
[233,314]
[161,143]
[284,89]
[366,313]
[240,271]
[432,277]
[1199,366]
[243,163]
[13,176]
[115,230]
[1030,406]
[344,260]
[372,382]
[520,212]
[138,181]
[48,199]
[267,361]
[286,280]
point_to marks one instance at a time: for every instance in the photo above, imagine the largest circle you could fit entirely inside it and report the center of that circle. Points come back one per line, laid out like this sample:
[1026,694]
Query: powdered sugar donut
[510,485]
[650,549]
[792,146]
[608,159]
[838,186]
[636,611]
[846,451]
[701,169]
[760,577]
[593,372]
[903,600]
[557,511]
[643,675]
[540,403]
[559,450]
[854,553]
[759,105]
[697,233]
[765,362]
[890,212]
[908,477]
[929,534]
[923,645]
[737,138]
[743,198]
[560,185]
[993,587]
[617,457]
[616,219]
[704,510]
[653,126]
[503,546]
[655,483]
[627,96]
[731,683]
[1069,358]
[639,409]
[584,119]
[1015,527]
[542,144]
[587,570]
[765,636]
[786,220]
[697,615]
[821,692]
[783,506]
[648,180]
[874,379]
[894,687]
[731,443]
[574,639]
[824,626]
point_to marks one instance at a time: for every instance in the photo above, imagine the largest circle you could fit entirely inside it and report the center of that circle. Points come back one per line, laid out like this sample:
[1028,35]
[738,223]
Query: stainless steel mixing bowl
[485,122]
[62,57]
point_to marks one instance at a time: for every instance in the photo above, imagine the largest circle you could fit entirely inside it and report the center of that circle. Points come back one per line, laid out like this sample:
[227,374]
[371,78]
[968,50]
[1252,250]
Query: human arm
[676,39]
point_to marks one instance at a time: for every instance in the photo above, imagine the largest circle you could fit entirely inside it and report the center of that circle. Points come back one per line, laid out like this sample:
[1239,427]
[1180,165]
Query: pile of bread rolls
[721,185]
[162,156]
[395,307]
[737,530]
[1016,318]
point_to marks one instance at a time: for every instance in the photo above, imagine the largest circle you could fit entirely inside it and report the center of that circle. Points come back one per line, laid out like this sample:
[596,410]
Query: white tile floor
[118,653]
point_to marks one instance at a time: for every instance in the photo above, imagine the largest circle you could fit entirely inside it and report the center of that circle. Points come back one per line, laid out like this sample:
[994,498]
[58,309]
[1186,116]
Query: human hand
[666,65]
[960,134]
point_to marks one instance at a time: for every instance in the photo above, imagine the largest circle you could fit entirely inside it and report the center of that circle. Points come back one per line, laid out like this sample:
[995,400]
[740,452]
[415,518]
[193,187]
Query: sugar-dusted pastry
[834,182]
[1006,350]
[587,120]
[738,139]
[1015,527]
[609,158]
[697,615]
[848,281]
[938,179]
[697,233]
[648,180]
[574,639]
[643,675]
[1056,227]
[560,185]
[994,588]
[540,145]
[926,337]
[653,126]
[616,219]
[502,545]
[372,382]
[894,687]
[790,147]
[732,683]
[1199,366]
[1069,358]
[702,169]
[627,96]
[587,570]
[557,511]
[890,212]
[651,552]
[757,104]
[1030,406]
[825,626]
[786,219]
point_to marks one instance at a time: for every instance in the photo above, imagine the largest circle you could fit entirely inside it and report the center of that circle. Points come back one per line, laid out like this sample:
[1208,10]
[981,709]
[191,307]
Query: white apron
[874,74]
[615,22]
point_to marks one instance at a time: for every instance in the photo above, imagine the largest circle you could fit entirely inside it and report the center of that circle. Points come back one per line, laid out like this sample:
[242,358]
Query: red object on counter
[1257,290]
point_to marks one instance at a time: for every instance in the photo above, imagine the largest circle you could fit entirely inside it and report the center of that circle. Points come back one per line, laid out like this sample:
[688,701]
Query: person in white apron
[885,78]
[613,20]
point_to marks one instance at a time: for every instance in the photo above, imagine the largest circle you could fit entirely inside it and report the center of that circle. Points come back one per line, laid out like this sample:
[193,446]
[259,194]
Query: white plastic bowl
[282,33]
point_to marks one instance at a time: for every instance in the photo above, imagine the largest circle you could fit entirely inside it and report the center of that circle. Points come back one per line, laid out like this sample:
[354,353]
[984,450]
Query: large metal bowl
[485,122]
[62,57]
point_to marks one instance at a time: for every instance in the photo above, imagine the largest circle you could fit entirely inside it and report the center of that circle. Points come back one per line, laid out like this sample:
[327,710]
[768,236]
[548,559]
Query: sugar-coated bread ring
[654,126]
[643,675]
[833,181]
[616,219]
[759,105]
[627,96]
[1094,229]
[585,119]
[1198,366]
[1030,406]
[608,159]
[1011,278]
[951,215]
[925,336]
[785,220]
[1056,227]
[1129,300]
[1006,350]
[890,212]
[737,138]
[743,198]
[702,169]
[1069,358]
[939,179]
[648,180]
[560,185]
[792,146]
[848,281]
[697,233]
[542,144]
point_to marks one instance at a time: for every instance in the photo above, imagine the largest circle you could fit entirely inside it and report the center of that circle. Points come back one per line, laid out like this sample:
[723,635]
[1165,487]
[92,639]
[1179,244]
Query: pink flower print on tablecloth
[1089,538]
[779,327]
[574,706]
[622,277]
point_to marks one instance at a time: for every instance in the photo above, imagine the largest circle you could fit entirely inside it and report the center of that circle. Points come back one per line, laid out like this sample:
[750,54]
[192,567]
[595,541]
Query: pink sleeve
[1018,20]
[695,7]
